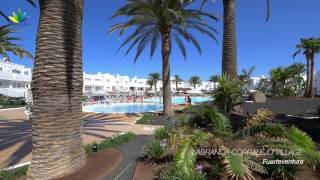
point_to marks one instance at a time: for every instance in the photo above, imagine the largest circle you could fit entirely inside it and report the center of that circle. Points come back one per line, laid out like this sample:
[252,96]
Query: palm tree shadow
[13,132]
[19,154]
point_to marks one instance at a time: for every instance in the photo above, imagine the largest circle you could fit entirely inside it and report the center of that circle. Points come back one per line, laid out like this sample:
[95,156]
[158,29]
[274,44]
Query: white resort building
[108,84]
[14,78]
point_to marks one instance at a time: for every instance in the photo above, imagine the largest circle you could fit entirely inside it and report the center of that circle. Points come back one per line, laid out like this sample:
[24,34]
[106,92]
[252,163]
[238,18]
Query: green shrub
[202,117]
[161,133]
[227,93]
[282,171]
[108,143]
[145,119]
[8,102]
[13,174]
[173,174]
[153,150]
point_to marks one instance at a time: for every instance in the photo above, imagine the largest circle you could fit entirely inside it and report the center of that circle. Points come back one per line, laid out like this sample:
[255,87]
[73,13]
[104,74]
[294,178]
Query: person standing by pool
[188,101]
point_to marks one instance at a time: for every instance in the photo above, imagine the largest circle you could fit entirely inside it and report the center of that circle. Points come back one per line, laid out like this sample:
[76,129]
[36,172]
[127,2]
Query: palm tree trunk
[176,85]
[57,90]
[166,82]
[310,69]
[229,49]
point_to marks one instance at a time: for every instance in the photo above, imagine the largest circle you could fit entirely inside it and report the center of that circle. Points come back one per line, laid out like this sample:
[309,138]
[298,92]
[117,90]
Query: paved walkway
[131,153]
[15,132]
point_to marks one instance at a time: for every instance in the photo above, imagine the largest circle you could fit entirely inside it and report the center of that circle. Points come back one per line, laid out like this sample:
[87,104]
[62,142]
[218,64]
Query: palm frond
[262,116]
[185,158]
[236,168]
[181,46]
[7,44]
[153,17]
[268,10]
[300,138]
[270,129]
[221,123]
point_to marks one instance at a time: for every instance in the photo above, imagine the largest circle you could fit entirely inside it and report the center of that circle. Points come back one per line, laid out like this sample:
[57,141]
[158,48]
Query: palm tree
[194,81]
[177,80]
[7,44]
[245,77]
[309,47]
[57,82]
[229,48]
[214,79]
[168,20]
[154,78]
[150,83]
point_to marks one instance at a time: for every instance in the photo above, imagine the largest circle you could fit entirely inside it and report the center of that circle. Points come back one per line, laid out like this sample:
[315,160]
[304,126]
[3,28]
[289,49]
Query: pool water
[123,108]
[179,100]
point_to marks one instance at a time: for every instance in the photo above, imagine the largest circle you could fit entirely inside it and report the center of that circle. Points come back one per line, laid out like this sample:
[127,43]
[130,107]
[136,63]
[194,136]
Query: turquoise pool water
[123,108]
[179,100]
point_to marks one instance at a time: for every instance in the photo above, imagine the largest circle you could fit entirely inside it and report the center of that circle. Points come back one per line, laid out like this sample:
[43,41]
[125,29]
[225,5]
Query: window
[1,69]
[26,73]
[99,88]
[87,79]
[15,71]
[88,88]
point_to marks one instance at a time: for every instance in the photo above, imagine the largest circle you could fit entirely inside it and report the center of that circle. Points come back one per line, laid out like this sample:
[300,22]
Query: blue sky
[265,45]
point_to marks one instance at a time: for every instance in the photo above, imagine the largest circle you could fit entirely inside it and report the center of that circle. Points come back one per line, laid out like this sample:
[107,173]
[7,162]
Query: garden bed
[181,148]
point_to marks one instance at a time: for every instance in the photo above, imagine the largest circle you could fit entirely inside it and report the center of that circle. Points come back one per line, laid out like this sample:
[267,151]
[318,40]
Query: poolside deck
[15,132]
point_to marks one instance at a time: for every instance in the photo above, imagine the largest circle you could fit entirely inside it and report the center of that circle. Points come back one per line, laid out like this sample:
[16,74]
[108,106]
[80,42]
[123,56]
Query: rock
[237,108]
[259,97]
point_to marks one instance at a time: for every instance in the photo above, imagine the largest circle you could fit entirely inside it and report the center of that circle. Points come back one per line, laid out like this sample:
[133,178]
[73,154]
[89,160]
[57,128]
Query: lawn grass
[14,173]
[108,143]
[145,119]
[105,144]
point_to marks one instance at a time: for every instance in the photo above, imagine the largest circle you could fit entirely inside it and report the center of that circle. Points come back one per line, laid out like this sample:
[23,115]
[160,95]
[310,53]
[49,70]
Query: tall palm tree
[309,47]
[229,48]
[168,20]
[57,81]
[177,80]
[194,81]
[154,78]
[7,43]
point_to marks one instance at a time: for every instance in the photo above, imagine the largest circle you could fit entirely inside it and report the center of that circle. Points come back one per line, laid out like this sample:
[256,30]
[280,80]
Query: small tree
[153,79]
[214,79]
[226,94]
[287,81]
[245,79]
[264,85]
[194,81]
[177,80]
[309,47]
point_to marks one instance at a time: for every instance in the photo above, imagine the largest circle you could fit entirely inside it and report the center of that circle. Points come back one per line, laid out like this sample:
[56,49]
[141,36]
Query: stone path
[15,132]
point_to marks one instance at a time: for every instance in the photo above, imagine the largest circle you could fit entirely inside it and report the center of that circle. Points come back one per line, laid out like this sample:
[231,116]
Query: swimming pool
[179,100]
[123,108]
